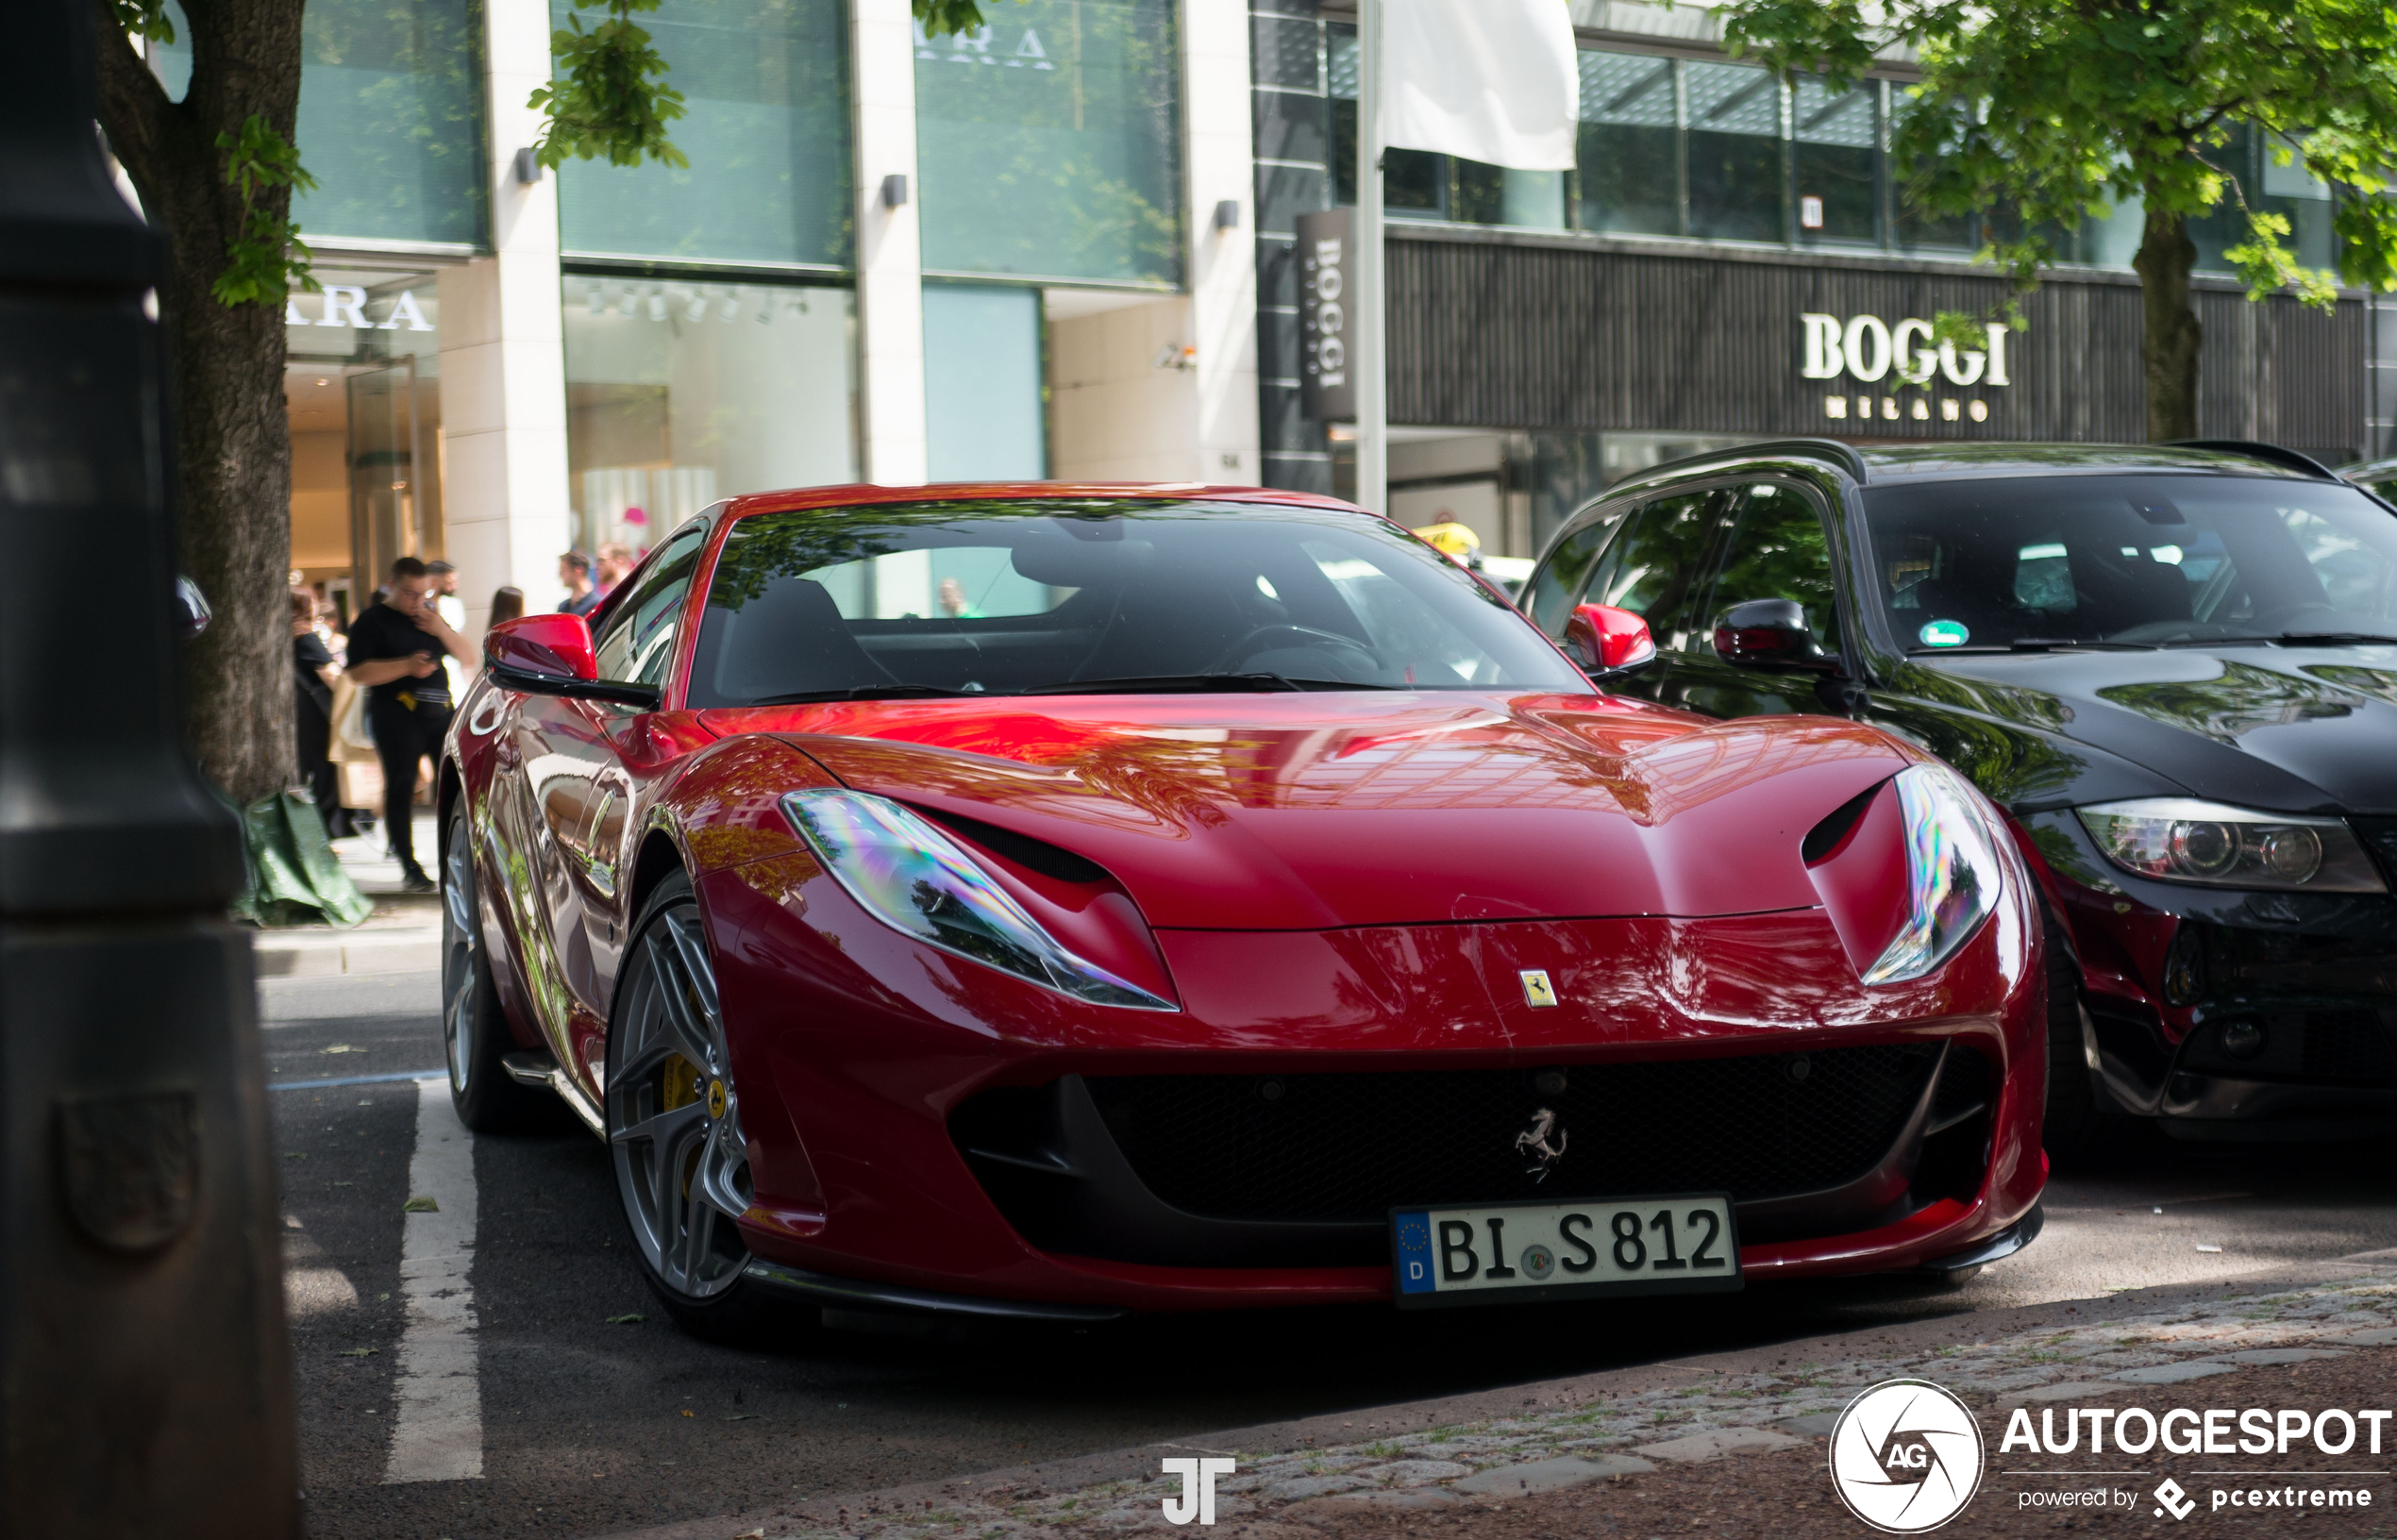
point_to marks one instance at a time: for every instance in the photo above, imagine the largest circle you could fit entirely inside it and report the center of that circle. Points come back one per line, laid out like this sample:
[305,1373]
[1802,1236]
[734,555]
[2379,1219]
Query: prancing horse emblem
[1534,1142]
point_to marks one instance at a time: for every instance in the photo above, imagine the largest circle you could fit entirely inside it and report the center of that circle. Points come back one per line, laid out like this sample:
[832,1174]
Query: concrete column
[890,283]
[503,381]
[1219,157]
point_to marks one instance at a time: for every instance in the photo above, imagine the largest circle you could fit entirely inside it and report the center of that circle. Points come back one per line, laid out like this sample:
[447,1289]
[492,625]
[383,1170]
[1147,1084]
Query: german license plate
[1523,1251]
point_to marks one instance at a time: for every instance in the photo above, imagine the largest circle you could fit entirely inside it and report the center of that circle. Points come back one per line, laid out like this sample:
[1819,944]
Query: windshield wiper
[2318,638]
[2034,644]
[1160,683]
[864,692]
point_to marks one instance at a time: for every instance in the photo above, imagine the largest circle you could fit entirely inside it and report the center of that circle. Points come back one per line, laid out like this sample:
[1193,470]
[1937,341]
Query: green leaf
[633,1319]
[358,1353]
[420,1205]
[610,101]
[265,256]
[145,19]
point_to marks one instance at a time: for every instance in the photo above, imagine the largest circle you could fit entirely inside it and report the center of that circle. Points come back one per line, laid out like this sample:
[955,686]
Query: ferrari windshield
[1089,596]
[2131,560]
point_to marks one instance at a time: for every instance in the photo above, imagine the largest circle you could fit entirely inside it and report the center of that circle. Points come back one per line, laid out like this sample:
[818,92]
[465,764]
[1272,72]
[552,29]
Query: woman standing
[314,673]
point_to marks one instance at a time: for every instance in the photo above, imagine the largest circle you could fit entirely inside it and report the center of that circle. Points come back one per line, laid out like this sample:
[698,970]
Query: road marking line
[359,1080]
[437,1435]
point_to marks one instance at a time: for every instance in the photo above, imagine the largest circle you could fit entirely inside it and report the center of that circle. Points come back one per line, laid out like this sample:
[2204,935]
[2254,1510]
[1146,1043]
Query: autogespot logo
[1906,1456]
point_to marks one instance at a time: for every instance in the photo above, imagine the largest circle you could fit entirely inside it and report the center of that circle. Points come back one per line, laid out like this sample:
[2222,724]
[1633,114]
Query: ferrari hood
[1273,813]
[2296,728]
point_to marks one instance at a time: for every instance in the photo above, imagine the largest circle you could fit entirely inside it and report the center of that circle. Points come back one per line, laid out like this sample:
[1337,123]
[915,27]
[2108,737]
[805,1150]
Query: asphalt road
[588,1427]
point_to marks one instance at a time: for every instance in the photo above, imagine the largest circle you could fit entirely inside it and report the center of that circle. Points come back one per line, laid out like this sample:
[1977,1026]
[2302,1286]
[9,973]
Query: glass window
[982,416]
[1836,156]
[390,117]
[636,636]
[1734,152]
[1629,151]
[1048,142]
[1558,585]
[1777,551]
[680,391]
[1654,568]
[2302,198]
[2129,560]
[765,128]
[1086,595]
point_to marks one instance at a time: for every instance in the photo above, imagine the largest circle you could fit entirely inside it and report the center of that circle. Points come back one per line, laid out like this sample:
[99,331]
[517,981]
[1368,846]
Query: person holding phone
[396,647]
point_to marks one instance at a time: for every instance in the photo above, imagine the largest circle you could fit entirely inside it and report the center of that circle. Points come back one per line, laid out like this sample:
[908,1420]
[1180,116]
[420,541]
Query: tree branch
[134,109]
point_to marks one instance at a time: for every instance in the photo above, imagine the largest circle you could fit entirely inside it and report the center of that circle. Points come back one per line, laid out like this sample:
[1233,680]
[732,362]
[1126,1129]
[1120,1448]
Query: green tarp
[294,878]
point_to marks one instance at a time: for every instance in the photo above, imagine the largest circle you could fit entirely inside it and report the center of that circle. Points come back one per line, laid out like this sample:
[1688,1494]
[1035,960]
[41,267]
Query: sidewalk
[403,935]
[1363,1472]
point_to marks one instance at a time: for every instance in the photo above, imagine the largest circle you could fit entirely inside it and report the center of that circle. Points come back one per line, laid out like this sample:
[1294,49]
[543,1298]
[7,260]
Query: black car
[2175,668]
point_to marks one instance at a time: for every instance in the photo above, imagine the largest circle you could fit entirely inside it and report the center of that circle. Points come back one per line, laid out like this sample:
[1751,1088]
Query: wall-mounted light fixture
[1228,214]
[527,167]
[894,191]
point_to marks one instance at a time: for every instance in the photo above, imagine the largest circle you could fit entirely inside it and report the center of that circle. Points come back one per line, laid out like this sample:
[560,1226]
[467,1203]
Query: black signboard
[1327,390]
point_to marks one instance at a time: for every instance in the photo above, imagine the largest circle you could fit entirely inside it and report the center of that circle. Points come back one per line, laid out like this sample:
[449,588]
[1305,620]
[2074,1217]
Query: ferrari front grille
[1349,1146]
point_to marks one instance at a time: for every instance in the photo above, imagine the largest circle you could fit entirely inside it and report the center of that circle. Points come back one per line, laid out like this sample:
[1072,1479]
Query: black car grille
[2347,1046]
[1348,1148]
[2381,834]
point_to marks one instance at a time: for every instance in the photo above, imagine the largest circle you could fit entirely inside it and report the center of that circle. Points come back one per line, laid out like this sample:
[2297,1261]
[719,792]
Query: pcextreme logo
[1197,1498]
[1906,1456]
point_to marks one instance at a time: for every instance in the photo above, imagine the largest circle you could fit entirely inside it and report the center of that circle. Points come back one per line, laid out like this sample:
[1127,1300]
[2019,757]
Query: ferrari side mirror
[1602,640]
[551,654]
[1769,633]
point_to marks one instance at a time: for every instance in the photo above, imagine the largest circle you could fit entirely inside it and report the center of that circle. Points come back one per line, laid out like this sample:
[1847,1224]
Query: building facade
[1733,260]
[1066,246]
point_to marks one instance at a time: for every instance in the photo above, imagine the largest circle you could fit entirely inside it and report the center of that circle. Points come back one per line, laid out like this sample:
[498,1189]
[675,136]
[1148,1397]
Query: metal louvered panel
[1498,334]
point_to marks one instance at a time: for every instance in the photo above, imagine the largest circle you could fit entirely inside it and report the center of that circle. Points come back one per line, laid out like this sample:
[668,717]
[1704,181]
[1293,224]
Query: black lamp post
[144,1371]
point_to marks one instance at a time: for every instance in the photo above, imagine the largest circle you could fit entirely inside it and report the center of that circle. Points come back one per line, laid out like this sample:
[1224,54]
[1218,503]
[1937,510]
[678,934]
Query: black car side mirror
[1770,633]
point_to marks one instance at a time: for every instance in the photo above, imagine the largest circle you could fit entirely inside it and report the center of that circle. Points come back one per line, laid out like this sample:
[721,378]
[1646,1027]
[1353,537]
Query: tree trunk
[233,453]
[2170,348]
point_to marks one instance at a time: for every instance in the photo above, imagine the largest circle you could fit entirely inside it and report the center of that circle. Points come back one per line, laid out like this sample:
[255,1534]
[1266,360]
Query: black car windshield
[1086,596]
[2130,559]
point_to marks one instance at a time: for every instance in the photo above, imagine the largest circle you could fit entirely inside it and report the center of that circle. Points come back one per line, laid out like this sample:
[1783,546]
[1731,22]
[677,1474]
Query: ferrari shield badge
[1537,989]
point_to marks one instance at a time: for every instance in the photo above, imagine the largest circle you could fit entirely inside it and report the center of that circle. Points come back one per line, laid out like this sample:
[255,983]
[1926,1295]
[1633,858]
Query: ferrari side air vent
[1053,862]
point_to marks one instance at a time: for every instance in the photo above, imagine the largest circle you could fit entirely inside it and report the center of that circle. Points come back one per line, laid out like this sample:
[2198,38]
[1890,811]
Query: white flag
[1491,81]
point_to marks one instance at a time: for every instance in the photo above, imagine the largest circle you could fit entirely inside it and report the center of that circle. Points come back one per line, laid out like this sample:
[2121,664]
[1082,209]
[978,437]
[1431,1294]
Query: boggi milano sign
[1869,350]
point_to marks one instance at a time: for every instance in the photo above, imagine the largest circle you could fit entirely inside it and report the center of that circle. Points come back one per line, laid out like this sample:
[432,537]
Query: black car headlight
[2174,839]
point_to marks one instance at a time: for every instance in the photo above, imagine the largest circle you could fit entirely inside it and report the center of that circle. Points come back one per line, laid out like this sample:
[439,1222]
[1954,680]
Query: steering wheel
[1304,636]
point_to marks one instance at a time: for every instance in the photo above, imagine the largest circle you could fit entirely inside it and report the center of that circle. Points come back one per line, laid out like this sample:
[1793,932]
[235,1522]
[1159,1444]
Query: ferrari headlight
[2175,839]
[1952,873]
[914,879]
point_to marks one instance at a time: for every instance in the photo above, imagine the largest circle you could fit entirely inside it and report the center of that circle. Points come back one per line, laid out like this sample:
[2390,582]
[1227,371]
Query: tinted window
[2130,559]
[1654,567]
[636,637]
[1051,594]
[1558,585]
[1777,551]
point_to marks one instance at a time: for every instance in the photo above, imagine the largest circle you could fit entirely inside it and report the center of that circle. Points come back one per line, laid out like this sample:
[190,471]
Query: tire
[2079,1125]
[474,1026]
[674,1131]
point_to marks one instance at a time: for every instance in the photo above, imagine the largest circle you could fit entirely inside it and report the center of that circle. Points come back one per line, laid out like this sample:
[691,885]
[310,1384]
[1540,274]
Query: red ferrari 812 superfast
[1065,900]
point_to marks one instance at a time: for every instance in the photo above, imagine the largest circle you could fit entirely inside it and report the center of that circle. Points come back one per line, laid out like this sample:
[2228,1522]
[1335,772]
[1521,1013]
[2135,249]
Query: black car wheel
[473,1027]
[674,1127]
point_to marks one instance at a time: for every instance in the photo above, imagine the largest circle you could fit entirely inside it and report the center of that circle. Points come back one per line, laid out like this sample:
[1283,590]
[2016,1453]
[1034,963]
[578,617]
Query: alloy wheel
[674,1119]
[461,933]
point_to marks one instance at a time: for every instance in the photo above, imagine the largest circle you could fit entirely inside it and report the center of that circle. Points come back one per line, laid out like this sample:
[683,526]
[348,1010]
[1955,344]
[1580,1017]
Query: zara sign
[1869,348]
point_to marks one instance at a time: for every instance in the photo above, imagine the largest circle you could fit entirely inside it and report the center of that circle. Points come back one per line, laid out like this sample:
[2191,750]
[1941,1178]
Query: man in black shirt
[396,647]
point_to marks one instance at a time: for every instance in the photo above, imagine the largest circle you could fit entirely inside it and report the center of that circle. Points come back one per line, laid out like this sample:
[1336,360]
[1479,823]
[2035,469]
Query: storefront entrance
[362,390]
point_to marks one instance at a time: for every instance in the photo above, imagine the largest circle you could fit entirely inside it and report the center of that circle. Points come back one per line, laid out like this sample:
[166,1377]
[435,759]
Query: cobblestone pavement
[1406,1462]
